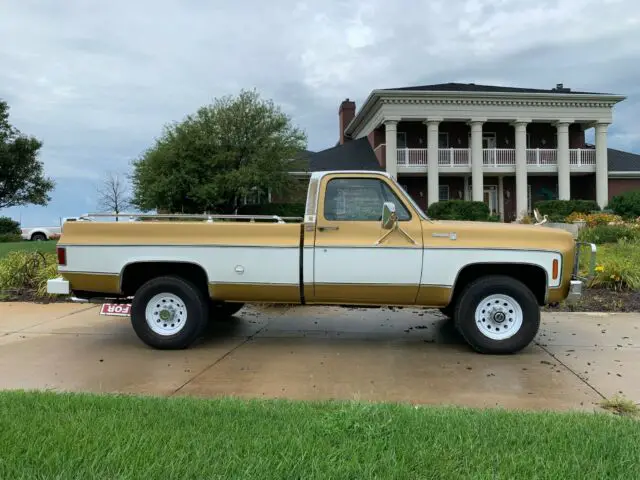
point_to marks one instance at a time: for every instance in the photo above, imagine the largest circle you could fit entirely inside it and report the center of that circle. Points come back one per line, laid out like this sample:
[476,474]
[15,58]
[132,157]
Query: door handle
[324,229]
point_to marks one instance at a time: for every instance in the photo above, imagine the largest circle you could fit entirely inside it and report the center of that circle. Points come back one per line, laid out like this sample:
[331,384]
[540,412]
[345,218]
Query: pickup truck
[363,241]
[38,234]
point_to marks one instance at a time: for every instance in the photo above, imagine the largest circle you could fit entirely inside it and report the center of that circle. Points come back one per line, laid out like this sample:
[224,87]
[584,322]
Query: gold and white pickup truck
[362,241]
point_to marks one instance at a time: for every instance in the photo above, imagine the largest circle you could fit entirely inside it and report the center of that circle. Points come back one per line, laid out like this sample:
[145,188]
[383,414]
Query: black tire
[38,237]
[194,316]
[223,310]
[501,318]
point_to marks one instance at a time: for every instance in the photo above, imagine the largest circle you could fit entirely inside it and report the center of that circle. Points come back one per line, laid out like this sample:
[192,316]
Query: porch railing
[454,157]
[491,157]
[542,157]
[498,157]
[582,156]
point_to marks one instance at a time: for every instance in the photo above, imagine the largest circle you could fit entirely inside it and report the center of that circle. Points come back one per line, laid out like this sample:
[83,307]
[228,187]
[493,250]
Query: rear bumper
[58,286]
[575,290]
[577,282]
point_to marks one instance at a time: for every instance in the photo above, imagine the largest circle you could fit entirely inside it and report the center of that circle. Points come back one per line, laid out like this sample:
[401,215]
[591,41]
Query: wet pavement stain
[375,354]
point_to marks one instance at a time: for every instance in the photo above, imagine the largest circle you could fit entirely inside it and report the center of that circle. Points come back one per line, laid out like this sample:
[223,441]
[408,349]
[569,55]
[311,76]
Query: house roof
[472,87]
[300,162]
[619,161]
[352,155]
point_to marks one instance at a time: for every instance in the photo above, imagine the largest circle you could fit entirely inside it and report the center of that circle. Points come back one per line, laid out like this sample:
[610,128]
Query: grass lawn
[48,435]
[44,247]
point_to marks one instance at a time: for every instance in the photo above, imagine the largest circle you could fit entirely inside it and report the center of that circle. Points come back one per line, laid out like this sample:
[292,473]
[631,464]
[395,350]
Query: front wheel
[38,237]
[497,314]
[169,313]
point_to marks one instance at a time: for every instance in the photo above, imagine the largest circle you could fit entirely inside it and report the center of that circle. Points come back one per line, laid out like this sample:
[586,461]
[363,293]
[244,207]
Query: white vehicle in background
[39,234]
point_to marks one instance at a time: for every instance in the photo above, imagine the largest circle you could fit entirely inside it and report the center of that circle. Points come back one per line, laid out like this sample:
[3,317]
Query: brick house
[506,146]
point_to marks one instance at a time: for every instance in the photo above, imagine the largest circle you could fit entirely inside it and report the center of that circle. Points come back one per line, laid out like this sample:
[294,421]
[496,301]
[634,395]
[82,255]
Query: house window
[360,199]
[443,140]
[443,193]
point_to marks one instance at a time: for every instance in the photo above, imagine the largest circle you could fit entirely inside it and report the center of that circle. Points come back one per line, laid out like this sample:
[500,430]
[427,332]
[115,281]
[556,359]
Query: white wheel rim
[499,317]
[166,314]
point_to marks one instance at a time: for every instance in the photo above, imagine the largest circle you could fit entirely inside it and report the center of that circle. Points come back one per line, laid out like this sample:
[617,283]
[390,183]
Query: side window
[360,199]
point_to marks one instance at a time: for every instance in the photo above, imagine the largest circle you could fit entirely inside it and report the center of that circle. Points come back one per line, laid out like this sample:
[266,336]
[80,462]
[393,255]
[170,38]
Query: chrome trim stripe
[326,247]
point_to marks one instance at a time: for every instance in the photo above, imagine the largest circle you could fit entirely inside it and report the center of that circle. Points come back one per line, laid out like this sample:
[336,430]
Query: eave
[570,100]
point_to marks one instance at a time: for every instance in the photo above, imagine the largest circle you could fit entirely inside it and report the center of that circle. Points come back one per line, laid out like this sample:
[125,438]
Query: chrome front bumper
[577,281]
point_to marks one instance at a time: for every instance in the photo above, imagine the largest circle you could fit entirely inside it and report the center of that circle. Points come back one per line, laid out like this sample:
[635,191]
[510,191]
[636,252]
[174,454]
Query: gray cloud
[97,80]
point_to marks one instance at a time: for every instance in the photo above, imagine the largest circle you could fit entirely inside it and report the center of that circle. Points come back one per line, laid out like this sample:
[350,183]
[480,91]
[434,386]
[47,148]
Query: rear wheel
[497,314]
[38,237]
[169,313]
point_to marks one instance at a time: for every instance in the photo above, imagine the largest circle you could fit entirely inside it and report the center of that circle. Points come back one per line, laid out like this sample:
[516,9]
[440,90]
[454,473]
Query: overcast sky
[97,80]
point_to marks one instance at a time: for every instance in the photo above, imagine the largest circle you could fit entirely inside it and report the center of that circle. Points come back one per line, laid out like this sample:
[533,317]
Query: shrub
[600,234]
[459,210]
[618,267]
[563,208]
[280,209]
[10,237]
[8,225]
[626,204]
[27,273]
[593,219]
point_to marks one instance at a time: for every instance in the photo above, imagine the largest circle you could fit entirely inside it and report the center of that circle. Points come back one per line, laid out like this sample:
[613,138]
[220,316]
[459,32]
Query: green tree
[217,155]
[22,179]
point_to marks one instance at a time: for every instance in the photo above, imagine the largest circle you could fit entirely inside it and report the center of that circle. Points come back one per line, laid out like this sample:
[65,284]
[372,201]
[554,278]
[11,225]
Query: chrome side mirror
[389,216]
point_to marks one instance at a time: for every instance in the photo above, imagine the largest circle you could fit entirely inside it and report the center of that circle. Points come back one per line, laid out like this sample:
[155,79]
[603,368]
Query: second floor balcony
[494,159]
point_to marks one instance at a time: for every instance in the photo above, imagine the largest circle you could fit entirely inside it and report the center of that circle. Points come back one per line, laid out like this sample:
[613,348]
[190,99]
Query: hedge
[10,237]
[280,209]
[559,209]
[627,204]
[459,210]
[9,226]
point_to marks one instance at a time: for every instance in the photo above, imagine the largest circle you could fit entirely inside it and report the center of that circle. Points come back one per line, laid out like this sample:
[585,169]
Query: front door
[349,265]
[491,199]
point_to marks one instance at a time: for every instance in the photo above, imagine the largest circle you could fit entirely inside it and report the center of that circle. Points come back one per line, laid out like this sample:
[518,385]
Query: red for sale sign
[116,309]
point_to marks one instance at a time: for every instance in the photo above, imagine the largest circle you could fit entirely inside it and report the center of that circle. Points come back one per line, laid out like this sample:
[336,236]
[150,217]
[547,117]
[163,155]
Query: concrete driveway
[324,353]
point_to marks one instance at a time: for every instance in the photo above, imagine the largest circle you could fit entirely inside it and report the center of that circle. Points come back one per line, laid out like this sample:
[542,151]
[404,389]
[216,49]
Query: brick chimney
[346,113]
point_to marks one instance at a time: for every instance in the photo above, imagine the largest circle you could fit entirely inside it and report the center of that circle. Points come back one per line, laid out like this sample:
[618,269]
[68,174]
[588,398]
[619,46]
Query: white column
[432,161]
[466,188]
[520,127]
[391,148]
[501,197]
[477,180]
[602,168]
[564,175]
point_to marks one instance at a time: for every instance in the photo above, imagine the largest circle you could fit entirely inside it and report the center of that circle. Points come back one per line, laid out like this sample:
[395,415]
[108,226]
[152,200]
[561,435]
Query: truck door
[351,264]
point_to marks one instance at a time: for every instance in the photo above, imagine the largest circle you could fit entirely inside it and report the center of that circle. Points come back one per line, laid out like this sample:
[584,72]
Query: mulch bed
[31,297]
[601,300]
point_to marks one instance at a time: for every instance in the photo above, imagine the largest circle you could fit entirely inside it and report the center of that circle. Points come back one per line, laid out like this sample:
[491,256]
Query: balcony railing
[498,157]
[542,157]
[582,156]
[454,157]
[494,157]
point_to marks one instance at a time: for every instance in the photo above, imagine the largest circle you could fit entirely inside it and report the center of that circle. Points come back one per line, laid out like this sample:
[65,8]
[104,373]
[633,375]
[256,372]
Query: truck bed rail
[133,217]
